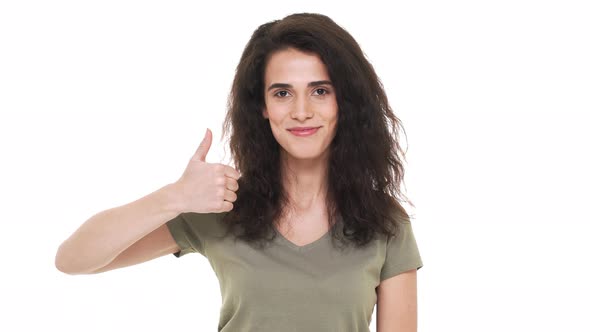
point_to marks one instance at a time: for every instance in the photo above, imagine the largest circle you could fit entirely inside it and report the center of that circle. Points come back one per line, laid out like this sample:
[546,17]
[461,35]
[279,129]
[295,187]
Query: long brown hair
[364,168]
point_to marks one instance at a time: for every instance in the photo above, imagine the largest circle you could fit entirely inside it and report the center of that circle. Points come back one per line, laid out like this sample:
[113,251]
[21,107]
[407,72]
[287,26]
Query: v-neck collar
[303,247]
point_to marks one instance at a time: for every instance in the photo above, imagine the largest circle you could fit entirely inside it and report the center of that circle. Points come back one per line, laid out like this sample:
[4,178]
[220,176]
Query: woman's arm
[397,303]
[108,233]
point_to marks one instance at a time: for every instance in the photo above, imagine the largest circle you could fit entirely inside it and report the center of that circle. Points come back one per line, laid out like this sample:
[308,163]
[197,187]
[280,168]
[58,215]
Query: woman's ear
[264,113]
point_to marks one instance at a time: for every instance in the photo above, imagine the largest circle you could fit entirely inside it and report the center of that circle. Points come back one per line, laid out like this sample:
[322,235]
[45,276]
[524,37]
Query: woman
[316,236]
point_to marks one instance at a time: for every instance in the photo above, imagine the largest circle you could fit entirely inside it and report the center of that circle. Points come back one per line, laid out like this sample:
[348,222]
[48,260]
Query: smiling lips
[303,131]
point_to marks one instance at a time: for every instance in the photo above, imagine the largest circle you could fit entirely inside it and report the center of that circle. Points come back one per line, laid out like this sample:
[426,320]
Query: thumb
[203,149]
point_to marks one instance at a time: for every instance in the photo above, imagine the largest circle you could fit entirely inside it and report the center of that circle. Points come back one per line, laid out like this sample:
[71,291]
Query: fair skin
[298,93]
[397,307]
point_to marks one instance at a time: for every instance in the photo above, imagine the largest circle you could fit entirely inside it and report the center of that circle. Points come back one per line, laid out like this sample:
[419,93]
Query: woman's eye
[284,93]
[323,90]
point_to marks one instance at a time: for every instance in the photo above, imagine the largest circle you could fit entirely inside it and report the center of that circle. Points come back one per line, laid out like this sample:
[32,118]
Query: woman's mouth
[303,131]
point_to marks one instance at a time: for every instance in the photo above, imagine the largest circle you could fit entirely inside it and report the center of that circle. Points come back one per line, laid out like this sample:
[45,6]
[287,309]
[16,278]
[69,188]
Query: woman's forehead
[294,67]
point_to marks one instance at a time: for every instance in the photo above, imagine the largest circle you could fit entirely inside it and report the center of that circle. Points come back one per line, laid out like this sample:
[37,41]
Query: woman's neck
[305,181]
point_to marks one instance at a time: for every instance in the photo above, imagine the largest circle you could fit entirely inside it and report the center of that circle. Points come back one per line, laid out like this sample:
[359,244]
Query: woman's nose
[301,109]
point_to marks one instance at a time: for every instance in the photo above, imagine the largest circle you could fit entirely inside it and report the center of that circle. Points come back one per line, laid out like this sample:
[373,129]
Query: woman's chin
[303,155]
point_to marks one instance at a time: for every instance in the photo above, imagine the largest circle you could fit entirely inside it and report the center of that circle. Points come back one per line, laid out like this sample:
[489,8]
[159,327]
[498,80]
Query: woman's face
[298,93]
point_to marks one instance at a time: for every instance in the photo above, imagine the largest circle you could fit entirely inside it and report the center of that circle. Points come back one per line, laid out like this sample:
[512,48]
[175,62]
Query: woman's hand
[205,187]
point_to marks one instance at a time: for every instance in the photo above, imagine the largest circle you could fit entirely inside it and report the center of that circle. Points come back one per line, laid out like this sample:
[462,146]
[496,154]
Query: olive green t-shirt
[285,287]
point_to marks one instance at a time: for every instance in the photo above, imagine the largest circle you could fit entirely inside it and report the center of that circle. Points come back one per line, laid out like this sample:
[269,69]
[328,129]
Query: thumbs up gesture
[207,187]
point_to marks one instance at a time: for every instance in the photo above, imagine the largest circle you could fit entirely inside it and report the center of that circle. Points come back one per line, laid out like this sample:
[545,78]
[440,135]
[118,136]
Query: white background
[104,102]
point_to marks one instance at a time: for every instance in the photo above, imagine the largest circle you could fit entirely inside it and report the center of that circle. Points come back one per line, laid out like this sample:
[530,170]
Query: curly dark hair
[364,168]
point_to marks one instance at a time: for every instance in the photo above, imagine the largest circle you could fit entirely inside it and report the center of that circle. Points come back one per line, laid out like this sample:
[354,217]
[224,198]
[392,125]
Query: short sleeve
[402,253]
[185,236]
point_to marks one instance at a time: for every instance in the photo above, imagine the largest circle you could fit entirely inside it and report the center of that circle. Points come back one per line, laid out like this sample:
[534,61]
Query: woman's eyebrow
[310,84]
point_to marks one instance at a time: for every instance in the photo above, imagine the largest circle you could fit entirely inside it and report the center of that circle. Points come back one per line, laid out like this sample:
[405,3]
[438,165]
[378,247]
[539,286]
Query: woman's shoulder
[198,216]
[210,223]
